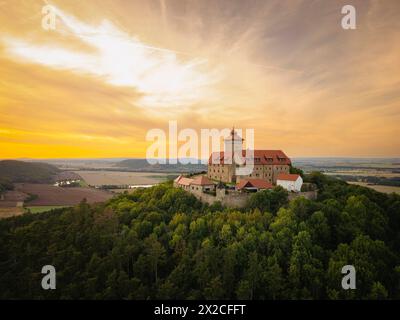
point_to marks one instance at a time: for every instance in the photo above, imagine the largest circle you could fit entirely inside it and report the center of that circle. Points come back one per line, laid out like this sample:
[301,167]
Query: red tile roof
[288,176]
[275,157]
[202,181]
[178,178]
[184,181]
[199,181]
[254,183]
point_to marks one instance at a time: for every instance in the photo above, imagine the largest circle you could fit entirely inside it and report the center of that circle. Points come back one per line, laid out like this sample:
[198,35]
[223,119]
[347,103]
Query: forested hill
[20,171]
[161,243]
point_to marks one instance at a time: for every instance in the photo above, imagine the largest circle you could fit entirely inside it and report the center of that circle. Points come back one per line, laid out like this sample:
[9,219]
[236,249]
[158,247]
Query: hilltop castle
[226,183]
[268,164]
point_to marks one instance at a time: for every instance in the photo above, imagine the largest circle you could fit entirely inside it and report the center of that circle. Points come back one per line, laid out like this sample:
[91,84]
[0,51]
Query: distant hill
[20,171]
[143,165]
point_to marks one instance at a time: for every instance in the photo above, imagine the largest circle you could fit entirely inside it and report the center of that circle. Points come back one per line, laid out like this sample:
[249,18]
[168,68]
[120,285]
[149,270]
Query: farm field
[49,195]
[8,212]
[379,188]
[40,209]
[99,178]
[364,172]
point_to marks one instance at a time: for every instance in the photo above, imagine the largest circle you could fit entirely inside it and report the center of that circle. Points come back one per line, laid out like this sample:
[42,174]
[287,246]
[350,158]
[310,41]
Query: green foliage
[268,200]
[5,185]
[162,243]
[294,170]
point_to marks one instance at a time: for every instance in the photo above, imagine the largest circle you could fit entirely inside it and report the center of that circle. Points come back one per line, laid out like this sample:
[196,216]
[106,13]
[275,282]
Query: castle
[226,183]
[267,164]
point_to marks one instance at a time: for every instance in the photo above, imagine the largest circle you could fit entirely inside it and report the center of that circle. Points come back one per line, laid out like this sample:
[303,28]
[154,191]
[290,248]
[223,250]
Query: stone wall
[230,199]
[235,199]
[311,195]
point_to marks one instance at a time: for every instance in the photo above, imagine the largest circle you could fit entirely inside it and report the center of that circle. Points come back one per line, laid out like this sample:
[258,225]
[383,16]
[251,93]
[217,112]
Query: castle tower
[233,143]
[233,149]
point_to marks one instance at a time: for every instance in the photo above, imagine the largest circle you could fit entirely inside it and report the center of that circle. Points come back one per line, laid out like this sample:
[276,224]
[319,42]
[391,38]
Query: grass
[40,209]
[83,184]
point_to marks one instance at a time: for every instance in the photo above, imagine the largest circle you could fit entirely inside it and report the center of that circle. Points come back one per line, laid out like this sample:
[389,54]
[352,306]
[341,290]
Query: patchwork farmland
[48,195]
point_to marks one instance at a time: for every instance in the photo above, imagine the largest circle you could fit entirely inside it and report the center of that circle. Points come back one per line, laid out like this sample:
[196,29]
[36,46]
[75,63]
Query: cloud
[121,60]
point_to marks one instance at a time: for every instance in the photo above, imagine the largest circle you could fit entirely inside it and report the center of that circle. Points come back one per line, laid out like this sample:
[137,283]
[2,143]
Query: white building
[290,182]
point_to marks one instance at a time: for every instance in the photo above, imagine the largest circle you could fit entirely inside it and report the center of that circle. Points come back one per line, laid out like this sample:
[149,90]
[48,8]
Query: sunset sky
[114,69]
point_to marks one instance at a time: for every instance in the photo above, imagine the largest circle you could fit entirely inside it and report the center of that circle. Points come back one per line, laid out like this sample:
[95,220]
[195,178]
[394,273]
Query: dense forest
[162,243]
[12,171]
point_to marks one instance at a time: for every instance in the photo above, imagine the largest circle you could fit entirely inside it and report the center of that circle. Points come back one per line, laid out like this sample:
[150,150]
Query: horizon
[143,158]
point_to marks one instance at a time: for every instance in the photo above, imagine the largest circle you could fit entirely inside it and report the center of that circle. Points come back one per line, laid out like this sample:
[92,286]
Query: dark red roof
[202,181]
[288,176]
[275,157]
[183,181]
[254,183]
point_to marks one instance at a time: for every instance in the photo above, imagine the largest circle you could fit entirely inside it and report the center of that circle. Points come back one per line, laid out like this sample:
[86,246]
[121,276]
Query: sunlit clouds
[114,69]
[122,60]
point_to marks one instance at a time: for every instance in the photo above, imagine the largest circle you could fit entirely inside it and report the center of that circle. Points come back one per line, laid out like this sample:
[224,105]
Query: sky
[114,69]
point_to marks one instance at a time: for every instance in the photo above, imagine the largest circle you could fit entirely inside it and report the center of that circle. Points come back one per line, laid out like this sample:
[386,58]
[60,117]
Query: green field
[83,184]
[40,209]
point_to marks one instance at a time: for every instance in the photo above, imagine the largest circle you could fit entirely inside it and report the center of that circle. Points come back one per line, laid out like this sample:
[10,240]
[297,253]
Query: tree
[228,271]
[378,292]
[273,278]
[294,170]
[156,254]
[305,270]
[160,243]
[253,274]
[371,259]
[268,200]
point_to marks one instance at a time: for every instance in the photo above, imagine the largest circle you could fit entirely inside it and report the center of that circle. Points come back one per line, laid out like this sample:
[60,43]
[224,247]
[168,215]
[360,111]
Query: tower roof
[233,136]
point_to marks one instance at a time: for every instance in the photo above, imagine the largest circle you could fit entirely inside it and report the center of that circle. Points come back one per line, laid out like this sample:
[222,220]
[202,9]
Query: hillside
[143,165]
[161,243]
[19,171]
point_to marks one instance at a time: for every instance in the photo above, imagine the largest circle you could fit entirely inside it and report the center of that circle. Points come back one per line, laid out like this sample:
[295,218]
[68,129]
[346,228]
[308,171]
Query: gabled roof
[184,181]
[178,178]
[254,183]
[202,181]
[261,157]
[288,176]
